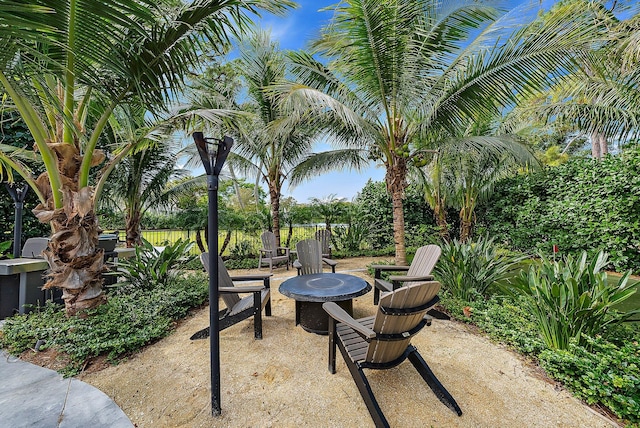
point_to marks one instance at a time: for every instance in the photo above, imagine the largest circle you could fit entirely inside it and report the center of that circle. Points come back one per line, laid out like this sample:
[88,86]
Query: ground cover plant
[126,323]
[601,367]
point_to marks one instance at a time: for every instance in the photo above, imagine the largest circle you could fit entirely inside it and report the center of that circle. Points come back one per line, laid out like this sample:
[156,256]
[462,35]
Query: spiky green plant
[572,299]
[469,270]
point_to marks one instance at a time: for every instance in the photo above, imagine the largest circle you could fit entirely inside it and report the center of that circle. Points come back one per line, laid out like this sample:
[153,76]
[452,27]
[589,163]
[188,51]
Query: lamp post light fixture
[18,194]
[213,153]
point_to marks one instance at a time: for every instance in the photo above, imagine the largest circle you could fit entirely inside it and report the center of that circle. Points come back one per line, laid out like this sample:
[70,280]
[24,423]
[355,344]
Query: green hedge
[584,204]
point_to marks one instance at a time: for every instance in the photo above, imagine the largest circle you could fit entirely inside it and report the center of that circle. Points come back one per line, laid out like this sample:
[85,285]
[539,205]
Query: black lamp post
[213,153]
[18,194]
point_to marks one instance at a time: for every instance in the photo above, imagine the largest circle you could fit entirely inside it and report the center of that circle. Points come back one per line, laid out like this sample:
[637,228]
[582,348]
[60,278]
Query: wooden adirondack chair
[324,237]
[33,248]
[420,270]
[270,253]
[310,258]
[383,341]
[238,309]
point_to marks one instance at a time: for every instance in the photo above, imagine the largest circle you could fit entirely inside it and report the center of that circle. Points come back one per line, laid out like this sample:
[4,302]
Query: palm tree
[140,181]
[600,97]
[330,208]
[271,145]
[66,66]
[403,77]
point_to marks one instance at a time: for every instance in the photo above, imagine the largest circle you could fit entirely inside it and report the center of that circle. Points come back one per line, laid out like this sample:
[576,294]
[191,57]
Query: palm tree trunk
[133,229]
[396,179]
[441,221]
[199,242]
[598,145]
[225,243]
[274,195]
[75,262]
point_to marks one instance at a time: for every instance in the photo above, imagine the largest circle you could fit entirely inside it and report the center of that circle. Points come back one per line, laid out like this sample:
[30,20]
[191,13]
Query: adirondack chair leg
[376,292]
[332,345]
[438,389]
[365,391]
[257,317]
[267,284]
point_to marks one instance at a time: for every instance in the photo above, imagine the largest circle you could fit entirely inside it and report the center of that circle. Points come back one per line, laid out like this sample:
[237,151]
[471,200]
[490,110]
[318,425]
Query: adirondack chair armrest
[285,250]
[389,267]
[243,289]
[251,277]
[382,285]
[405,278]
[330,262]
[340,315]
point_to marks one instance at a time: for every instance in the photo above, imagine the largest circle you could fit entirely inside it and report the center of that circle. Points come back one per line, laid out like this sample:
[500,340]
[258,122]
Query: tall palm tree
[271,145]
[67,65]
[407,75]
[600,98]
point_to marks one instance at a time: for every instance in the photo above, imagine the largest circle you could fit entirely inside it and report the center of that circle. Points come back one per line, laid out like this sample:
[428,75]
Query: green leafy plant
[469,270]
[350,238]
[601,372]
[242,250]
[5,246]
[571,298]
[126,323]
[151,267]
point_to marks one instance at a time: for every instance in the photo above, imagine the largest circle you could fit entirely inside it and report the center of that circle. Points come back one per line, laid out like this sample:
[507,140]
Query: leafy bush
[151,267]
[242,250]
[571,297]
[123,325]
[583,205]
[600,373]
[468,270]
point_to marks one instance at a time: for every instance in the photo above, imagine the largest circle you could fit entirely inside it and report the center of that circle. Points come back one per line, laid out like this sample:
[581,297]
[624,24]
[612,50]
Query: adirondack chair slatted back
[400,313]
[269,242]
[224,280]
[324,237]
[425,259]
[309,256]
[33,248]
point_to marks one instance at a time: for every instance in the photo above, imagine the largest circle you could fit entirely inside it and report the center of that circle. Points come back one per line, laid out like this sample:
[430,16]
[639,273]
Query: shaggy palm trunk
[441,221]
[396,179]
[466,224]
[75,262]
[133,229]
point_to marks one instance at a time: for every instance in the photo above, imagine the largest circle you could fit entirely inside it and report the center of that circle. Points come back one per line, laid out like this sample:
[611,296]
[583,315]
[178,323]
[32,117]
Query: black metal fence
[247,241]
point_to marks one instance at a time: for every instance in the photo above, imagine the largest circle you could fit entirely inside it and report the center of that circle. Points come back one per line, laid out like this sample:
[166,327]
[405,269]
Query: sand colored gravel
[283,381]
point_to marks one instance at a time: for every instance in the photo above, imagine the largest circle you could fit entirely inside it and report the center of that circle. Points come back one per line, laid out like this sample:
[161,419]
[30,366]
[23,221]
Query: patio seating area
[282,380]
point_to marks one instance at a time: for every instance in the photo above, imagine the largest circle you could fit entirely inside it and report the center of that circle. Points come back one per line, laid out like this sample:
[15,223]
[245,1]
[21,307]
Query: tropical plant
[468,270]
[66,66]
[572,299]
[268,144]
[597,100]
[402,78]
[152,267]
[140,181]
[329,208]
